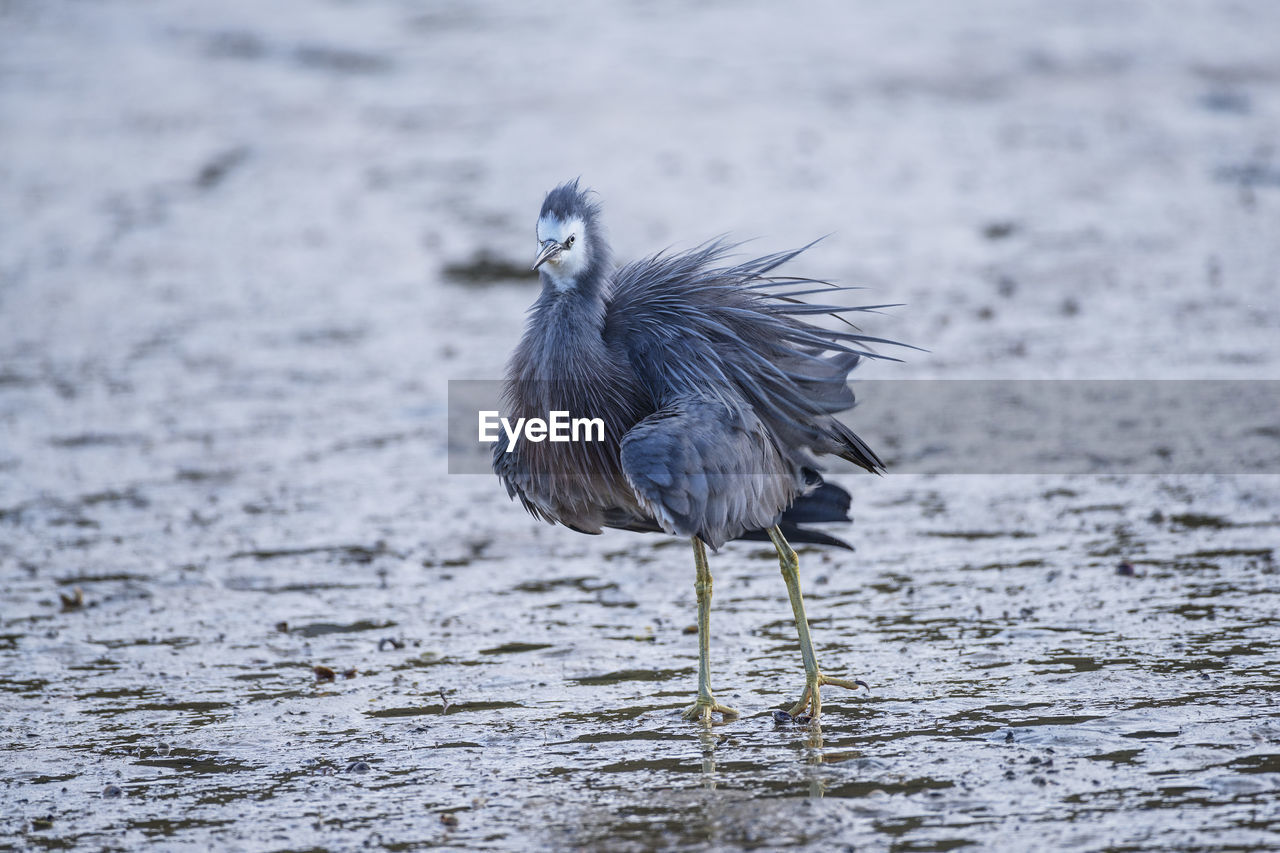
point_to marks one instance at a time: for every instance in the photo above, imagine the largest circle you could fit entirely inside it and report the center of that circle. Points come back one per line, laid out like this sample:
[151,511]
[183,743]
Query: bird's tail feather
[826,503]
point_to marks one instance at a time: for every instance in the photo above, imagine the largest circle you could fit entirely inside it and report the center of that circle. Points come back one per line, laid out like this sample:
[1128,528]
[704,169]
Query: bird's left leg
[706,704]
[813,677]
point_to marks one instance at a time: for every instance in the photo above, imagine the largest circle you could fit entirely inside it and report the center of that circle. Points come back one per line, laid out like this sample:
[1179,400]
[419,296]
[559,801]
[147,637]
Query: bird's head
[570,242]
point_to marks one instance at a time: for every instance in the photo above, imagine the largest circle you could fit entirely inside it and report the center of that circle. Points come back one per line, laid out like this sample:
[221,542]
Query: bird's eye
[569,242]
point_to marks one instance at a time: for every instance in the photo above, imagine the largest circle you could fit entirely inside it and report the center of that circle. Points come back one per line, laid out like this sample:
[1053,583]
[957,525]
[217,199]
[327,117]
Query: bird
[716,395]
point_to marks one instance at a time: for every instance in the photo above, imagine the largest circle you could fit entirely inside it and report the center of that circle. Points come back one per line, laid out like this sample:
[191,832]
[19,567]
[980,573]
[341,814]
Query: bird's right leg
[811,700]
[706,704]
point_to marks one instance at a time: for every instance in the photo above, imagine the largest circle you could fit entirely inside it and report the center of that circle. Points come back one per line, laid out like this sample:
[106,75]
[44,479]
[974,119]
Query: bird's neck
[564,341]
[559,282]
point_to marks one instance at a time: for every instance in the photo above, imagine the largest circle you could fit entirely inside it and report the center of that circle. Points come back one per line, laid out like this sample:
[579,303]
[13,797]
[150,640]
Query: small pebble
[323,673]
[690,629]
[163,748]
[449,820]
[358,767]
[349,673]
[111,792]
[781,717]
[1008,737]
[74,601]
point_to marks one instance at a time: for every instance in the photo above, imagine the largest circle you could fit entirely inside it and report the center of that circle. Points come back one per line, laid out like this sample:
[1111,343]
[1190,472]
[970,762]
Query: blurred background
[244,246]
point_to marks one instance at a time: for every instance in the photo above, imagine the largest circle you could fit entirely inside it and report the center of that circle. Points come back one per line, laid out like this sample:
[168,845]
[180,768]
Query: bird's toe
[810,704]
[703,710]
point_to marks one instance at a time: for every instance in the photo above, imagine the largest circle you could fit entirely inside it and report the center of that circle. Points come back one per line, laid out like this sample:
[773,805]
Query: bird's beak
[550,249]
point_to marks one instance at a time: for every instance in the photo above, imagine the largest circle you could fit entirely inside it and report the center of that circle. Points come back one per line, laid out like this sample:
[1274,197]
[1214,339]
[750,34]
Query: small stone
[323,673]
[449,820]
[74,601]
[358,767]
[111,792]
[781,717]
[690,629]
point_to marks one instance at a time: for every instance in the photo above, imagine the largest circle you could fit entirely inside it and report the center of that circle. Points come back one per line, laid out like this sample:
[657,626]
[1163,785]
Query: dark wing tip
[798,535]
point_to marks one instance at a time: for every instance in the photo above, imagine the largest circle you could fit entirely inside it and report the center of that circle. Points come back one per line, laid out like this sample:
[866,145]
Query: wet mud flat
[242,605]
[1096,671]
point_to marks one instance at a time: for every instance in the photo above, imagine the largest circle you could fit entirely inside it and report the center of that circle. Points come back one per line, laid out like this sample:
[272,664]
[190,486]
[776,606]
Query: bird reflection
[812,751]
[813,757]
[708,741]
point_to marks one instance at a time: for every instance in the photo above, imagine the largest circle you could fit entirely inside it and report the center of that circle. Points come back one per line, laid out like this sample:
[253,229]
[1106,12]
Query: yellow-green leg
[706,704]
[813,677]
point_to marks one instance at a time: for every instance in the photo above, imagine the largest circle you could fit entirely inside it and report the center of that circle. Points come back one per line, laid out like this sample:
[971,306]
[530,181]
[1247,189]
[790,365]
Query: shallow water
[243,251]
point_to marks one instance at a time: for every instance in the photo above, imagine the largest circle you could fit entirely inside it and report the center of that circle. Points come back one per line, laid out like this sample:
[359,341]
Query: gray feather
[715,392]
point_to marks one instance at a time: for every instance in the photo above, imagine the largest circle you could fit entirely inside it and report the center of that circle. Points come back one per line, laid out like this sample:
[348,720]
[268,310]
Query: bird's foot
[704,707]
[811,700]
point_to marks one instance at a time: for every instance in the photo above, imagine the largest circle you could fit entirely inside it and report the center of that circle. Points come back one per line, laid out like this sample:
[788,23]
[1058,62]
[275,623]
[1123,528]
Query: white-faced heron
[715,395]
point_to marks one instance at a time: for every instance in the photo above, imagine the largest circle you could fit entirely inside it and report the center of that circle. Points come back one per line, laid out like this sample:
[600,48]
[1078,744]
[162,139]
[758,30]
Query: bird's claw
[811,699]
[704,707]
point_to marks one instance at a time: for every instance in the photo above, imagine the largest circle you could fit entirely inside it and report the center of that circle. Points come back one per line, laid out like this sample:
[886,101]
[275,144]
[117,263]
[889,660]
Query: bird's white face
[562,249]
